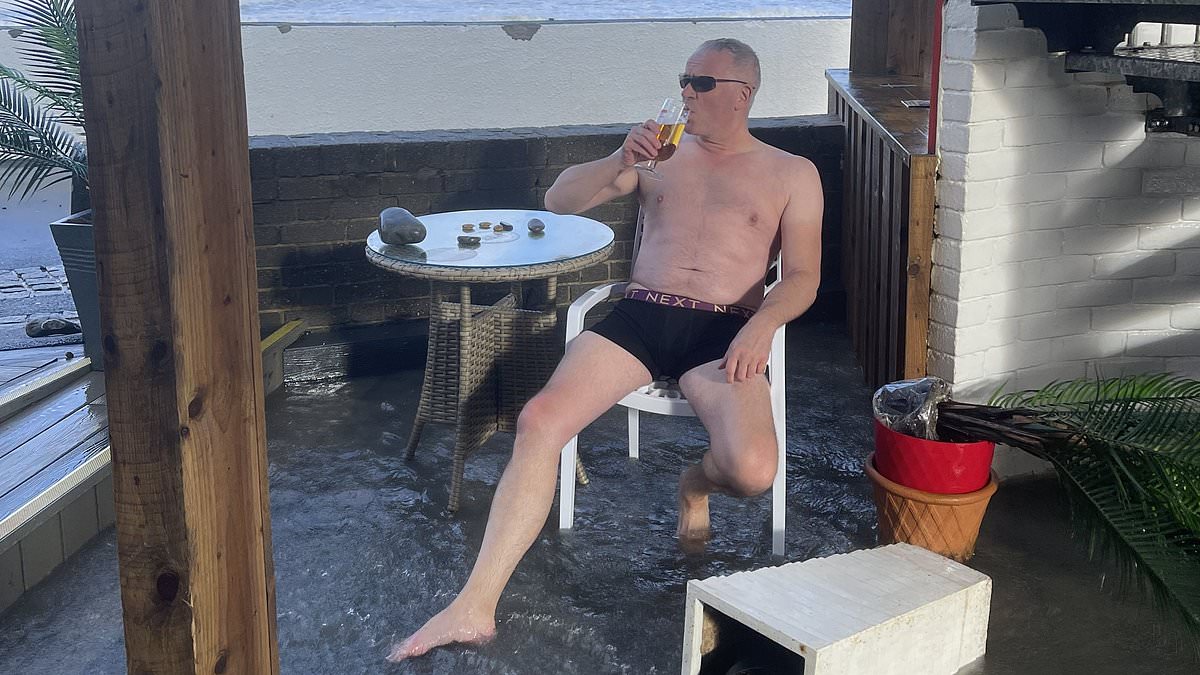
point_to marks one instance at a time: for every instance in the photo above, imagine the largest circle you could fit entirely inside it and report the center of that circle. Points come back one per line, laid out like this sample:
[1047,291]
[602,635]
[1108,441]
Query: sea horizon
[437,11]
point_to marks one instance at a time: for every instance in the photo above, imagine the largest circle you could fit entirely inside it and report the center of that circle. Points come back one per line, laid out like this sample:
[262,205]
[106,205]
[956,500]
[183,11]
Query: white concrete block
[1187,366]
[1039,376]
[1055,324]
[956,106]
[1131,317]
[996,17]
[1020,302]
[947,223]
[1163,343]
[979,166]
[1104,183]
[1093,345]
[1030,189]
[980,389]
[1191,208]
[1053,157]
[1135,265]
[941,337]
[961,196]
[1027,246]
[1000,104]
[1173,181]
[1065,214]
[1076,101]
[995,222]
[940,364]
[105,506]
[960,14]
[1123,366]
[1167,289]
[980,338]
[1174,236]
[1193,153]
[1024,131]
[972,75]
[958,43]
[967,366]
[1054,271]
[41,551]
[872,611]
[1099,78]
[1123,98]
[1011,43]
[1094,293]
[1140,210]
[1096,240]
[1038,71]
[1188,262]
[945,281]
[1009,462]
[1020,354]
[1111,127]
[962,255]
[988,281]
[961,137]
[956,313]
[1147,153]
[11,584]
[79,522]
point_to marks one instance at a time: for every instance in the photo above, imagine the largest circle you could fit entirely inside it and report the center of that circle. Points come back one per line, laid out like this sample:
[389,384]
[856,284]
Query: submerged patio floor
[364,551]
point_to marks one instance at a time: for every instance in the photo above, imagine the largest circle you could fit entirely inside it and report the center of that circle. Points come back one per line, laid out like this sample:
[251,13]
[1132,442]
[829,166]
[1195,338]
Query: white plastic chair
[665,398]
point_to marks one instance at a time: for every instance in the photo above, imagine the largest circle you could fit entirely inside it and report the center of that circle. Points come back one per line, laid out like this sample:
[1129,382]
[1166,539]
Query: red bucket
[932,466]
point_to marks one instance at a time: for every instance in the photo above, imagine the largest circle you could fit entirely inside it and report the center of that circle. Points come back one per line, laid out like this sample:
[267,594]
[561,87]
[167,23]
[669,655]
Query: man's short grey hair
[743,56]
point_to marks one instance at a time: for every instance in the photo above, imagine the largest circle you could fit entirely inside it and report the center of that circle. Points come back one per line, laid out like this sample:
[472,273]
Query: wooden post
[170,183]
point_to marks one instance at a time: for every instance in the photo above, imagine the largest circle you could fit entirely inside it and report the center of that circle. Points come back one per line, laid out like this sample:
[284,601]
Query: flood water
[365,550]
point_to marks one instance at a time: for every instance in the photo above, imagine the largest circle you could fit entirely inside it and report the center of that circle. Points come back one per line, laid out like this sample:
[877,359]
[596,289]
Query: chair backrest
[776,264]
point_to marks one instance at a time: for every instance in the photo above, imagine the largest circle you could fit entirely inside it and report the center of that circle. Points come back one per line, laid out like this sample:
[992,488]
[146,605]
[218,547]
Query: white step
[893,610]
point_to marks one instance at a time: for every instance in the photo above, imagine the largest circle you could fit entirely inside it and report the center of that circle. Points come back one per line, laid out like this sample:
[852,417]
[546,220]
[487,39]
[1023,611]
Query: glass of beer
[672,117]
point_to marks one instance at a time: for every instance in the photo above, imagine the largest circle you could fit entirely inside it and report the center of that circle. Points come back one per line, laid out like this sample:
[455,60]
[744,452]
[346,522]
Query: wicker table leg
[428,380]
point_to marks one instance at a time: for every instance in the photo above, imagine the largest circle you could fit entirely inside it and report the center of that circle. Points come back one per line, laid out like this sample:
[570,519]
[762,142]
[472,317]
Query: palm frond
[35,150]
[41,109]
[1128,452]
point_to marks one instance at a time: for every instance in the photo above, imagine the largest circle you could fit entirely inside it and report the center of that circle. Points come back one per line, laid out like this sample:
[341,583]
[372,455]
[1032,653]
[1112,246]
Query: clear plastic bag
[910,406]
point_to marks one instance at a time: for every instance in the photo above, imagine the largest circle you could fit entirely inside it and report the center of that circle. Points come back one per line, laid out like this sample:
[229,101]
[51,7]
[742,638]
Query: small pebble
[468,227]
[485,225]
[536,225]
[465,240]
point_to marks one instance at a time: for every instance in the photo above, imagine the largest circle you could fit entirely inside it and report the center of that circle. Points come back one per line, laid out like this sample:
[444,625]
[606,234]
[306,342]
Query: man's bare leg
[593,375]
[743,453]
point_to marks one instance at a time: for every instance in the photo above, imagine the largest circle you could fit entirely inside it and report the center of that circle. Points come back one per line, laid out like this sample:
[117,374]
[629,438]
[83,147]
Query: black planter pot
[73,235]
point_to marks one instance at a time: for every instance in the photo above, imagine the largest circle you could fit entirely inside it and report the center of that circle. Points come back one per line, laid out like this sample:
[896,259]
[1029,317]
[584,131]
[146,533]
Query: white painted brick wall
[1068,239]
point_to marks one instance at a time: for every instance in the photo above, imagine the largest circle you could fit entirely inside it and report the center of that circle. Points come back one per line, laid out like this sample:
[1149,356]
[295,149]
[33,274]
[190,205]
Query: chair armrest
[586,302]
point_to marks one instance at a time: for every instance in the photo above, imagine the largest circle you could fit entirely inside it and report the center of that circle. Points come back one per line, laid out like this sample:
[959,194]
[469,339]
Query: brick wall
[1068,240]
[317,197]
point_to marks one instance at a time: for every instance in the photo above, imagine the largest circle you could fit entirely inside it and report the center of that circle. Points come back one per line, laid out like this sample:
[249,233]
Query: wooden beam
[920,264]
[170,182]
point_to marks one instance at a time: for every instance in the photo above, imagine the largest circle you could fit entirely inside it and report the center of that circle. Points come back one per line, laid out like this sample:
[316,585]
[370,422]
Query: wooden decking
[55,484]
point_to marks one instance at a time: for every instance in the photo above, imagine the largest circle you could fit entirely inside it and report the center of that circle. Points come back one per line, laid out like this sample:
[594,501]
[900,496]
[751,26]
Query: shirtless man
[725,204]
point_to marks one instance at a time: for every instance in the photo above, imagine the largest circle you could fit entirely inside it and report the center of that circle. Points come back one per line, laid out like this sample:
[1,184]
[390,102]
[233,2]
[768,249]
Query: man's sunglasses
[703,83]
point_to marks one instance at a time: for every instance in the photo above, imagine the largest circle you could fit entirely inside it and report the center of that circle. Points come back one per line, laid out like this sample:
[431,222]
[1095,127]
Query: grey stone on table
[42,325]
[399,227]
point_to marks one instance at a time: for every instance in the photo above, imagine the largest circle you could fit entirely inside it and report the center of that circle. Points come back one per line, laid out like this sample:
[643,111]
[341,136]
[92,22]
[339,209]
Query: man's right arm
[585,186]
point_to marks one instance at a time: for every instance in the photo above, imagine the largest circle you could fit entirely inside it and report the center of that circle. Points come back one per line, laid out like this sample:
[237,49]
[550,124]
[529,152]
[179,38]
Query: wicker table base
[484,363]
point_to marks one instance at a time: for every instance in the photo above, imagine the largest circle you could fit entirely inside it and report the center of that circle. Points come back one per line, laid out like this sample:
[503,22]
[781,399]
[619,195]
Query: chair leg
[456,475]
[566,485]
[413,439]
[633,433]
[779,413]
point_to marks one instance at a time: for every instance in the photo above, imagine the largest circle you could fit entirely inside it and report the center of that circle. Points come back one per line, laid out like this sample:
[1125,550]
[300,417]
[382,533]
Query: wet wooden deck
[55,485]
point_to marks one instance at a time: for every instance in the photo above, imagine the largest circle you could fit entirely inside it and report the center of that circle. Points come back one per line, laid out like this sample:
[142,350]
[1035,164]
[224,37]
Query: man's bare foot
[451,625]
[693,507]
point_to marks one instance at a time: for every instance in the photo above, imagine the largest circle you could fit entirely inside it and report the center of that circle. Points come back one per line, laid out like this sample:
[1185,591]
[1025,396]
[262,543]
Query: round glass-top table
[485,361]
[568,243]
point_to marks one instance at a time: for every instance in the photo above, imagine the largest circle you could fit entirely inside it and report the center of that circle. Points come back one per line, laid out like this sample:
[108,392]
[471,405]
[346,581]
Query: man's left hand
[747,355]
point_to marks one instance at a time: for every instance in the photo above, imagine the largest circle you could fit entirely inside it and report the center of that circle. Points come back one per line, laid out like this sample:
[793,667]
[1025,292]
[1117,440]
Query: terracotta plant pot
[943,523]
[932,466]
